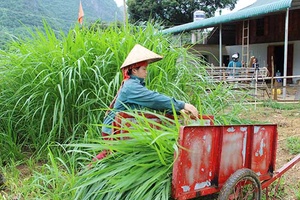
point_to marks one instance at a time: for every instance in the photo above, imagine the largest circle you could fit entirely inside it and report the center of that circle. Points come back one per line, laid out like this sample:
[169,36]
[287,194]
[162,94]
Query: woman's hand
[190,109]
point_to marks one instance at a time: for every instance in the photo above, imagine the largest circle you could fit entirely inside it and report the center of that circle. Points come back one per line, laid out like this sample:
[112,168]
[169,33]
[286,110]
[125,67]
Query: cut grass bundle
[137,168]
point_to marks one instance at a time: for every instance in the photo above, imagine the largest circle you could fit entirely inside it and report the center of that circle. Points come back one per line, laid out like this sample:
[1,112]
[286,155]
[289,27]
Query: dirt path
[288,125]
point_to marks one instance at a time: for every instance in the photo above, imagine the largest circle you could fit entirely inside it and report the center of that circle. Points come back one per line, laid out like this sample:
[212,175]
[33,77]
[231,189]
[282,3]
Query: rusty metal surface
[210,154]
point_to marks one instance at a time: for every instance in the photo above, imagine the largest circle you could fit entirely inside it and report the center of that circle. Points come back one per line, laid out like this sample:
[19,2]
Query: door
[277,52]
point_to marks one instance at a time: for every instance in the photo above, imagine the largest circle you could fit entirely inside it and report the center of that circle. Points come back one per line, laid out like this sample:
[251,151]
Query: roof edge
[231,17]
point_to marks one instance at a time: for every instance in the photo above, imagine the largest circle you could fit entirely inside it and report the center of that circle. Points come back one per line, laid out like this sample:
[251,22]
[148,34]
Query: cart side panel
[209,155]
[194,169]
[235,150]
[123,121]
[263,156]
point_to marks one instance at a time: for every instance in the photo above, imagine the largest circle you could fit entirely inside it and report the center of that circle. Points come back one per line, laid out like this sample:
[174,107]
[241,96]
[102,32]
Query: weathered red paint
[210,154]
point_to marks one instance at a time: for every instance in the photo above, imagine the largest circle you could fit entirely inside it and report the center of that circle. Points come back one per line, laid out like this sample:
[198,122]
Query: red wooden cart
[233,161]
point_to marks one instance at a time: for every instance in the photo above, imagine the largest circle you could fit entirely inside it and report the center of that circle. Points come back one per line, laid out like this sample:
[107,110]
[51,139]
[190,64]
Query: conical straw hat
[138,54]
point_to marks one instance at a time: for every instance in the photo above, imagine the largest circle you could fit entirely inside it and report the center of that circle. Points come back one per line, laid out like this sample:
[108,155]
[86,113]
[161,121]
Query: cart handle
[281,171]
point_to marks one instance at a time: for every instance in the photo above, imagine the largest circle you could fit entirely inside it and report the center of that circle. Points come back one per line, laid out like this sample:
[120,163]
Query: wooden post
[272,72]
[274,90]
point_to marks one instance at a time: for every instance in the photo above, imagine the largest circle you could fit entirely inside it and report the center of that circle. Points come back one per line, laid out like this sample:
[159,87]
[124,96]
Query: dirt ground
[288,125]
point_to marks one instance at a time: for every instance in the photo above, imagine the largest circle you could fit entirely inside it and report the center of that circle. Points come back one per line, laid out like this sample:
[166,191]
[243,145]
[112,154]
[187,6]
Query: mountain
[17,15]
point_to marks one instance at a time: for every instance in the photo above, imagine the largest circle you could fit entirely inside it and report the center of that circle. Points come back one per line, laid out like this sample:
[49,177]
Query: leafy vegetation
[52,89]
[280,106]
[54,92]
[293,145]
[174,12]
[140,167]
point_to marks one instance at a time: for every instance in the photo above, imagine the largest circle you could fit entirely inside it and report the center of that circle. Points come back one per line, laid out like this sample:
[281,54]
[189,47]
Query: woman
[134,95]
[254,62]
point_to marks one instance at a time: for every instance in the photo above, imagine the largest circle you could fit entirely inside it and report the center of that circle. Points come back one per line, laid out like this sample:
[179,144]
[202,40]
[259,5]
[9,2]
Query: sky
[240,4]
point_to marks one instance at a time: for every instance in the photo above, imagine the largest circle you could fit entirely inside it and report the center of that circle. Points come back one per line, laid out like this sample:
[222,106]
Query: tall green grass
[56,88]
[53,86]
[33,179]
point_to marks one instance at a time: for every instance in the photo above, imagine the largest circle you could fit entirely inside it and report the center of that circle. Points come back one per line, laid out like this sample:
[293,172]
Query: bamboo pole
[272,72]
[125,12]
[274,91]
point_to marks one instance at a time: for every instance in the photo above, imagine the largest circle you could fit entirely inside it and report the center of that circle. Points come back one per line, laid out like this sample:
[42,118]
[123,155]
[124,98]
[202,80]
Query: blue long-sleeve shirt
[134,95]
[234,64]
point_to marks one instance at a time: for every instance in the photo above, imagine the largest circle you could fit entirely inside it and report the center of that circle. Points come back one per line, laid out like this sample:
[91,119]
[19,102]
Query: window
[260,27]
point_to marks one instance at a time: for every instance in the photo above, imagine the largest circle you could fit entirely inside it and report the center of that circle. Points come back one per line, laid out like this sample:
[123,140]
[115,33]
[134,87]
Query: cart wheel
[243,184]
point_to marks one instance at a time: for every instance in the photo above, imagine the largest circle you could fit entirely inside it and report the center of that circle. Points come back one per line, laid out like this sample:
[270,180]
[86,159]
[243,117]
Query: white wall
[211,51]
[257,50]
[260,51]
[296,61]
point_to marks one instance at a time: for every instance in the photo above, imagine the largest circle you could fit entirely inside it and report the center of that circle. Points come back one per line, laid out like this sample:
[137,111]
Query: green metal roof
[259,8]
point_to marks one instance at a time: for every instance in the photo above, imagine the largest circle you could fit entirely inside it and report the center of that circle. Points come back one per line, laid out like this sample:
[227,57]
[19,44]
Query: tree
[173,12]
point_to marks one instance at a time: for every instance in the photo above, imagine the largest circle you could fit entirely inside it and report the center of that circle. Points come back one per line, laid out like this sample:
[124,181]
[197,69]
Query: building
[267,29]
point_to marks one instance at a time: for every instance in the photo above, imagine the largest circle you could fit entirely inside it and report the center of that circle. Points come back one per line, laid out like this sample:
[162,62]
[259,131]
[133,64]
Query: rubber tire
[236,177]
